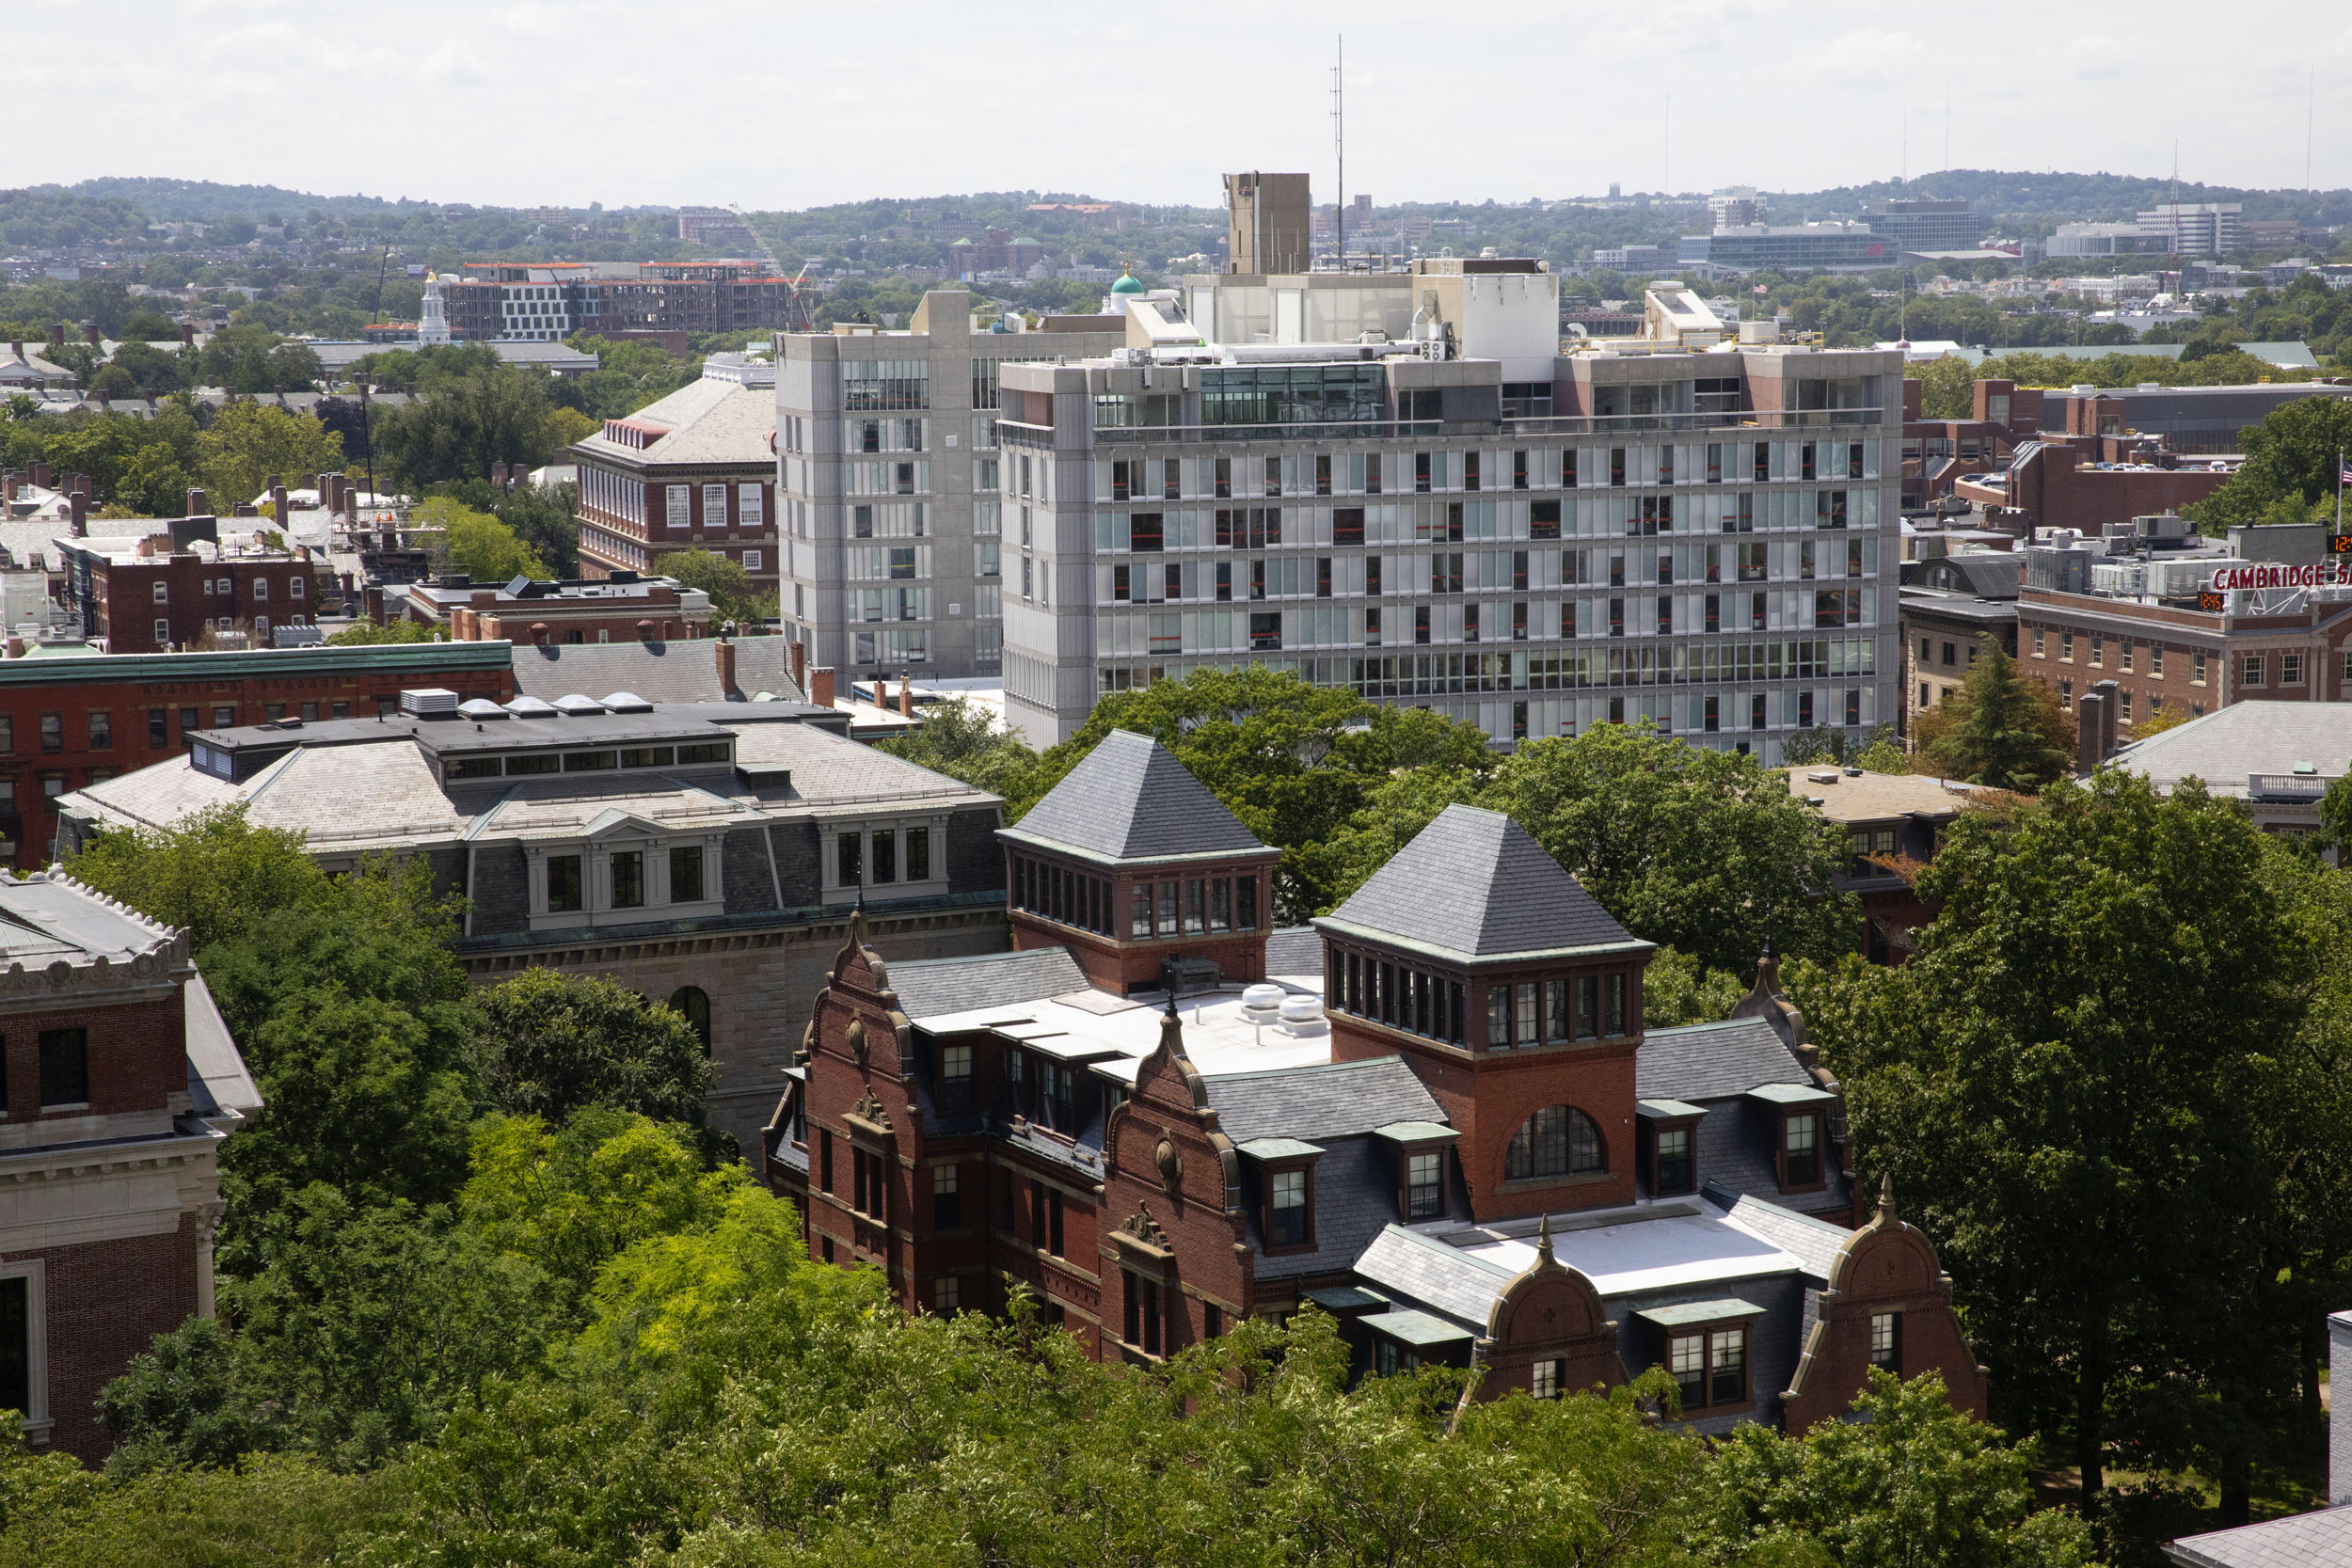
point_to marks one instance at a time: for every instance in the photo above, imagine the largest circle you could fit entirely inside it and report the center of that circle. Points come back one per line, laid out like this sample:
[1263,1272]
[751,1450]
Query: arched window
[1558,1140]
[690,1004]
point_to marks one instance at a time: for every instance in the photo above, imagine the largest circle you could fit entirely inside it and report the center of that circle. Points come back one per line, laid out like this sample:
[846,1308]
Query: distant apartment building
[153,595]
[1800,247]
[1922,223]
[716,227]
[1395,484]
[1955,608]
[889,486]
[1631,258]
[2202,228]
[547,301]
[694,471]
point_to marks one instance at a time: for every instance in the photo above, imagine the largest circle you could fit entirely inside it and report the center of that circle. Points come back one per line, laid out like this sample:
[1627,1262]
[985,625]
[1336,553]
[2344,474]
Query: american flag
[2343,471]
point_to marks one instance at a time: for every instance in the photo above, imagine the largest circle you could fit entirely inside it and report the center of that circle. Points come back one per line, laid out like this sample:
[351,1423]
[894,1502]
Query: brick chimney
[497,475]
[41,476]
[277,502]
[821,686]
[80,504]
[92,335]
[725,650]
[539,633]
[56,334]
[906,696]
[187,333]
[8,481]
[16,348]
[882,692]
[800,665]
[645,630]
[199,504]
[2090,729]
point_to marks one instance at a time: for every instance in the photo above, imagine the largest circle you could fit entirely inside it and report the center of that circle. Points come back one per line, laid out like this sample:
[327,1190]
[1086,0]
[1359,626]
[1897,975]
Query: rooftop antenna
[1666,151]
[2310,100]
[1339,151]
[1947,130]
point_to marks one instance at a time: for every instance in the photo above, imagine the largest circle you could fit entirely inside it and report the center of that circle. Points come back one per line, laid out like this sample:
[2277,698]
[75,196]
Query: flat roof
[1875,797]
[1117,1032]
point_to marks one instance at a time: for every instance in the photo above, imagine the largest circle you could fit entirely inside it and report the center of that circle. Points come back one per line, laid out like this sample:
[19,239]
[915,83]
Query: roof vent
[1262,1003]
[627,702]
[531,708]
[2306,770]
[1826,775]
[1302,1013]
[429,702]
[480,708]
[574,706]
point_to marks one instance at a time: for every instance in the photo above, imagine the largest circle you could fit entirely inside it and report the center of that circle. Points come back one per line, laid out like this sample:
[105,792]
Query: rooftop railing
[1012,432]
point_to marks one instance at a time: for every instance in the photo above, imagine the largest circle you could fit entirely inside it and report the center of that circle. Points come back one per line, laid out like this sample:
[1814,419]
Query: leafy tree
[964,740]
[365,634]
[1698,849]
[214,873]
[733,597]
[1292,761]
[550,1043]
[478,542]
[1910,1483]
[1947,388]
[2291,455]
[246,442]
[1676,991]
[1998,729]
[2059,1082]
[471,411]
[1835,744]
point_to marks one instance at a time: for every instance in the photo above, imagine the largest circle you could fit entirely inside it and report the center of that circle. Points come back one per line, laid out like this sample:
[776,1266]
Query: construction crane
[799,304]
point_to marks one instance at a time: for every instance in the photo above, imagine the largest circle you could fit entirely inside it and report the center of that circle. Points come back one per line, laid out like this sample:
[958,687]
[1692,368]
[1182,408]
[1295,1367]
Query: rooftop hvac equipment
[429,702]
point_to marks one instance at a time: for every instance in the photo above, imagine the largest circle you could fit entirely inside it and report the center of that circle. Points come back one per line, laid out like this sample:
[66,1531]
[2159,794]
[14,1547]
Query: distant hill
[2053,197]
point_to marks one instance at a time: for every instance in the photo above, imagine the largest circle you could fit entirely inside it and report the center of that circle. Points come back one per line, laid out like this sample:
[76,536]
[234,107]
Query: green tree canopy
[246,442]
[550,1043]
[732,596]
[478,542]
[2292,457]
[1998,728]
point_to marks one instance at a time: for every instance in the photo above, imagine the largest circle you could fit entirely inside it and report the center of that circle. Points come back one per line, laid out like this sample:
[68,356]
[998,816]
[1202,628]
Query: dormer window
[564,884]
[954,1077]
[1288,1214]
[1424,1185]
[1801,1143]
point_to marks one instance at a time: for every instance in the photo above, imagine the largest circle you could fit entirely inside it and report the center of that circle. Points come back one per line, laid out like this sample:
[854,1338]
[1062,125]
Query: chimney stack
[799,664]
[41,476]
[2112,691]
[821,686]
[199,504]
[92,335]
[725,651]
[277,502]
[8,481]
[16,348]
[56,334]
[498,476]
[2090,727]
[187,333]
[906,696]
[16,646]
[80,503]
[539,633]
[81,486]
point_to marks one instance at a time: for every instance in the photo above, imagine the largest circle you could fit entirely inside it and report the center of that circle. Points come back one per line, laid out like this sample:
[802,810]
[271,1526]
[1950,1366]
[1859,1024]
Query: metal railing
[1016,433]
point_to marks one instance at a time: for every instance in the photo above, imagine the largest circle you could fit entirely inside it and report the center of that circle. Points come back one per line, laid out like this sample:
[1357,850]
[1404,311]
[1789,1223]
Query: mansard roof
[1474,885]
[1130,800]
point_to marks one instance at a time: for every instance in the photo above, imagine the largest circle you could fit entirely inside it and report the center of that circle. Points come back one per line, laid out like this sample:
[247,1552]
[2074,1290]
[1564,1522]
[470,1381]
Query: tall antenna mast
[1339,151]
[2310,100]
[1666,151]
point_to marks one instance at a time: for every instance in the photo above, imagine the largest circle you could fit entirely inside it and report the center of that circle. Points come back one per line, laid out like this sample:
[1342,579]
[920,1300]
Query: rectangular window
[1887,1342]
[1801,1138]
[2197,667]
[2290,671]
[946,1295]
[850,860]
[1424,1186]
[1544,1379]
[1612,1005]
[1686,1362]
[1140,923]
[1727,1371]
[1498,1018]
[1246,904]
[64,1068]
[1196,908]
[1286,1207]
[946,1199]
[101,729]
[1220,905]
[1169,893]
[1526,1032]
[1674,1169]
[824,1159]
[686,875]
[16,1329]
[2251,668]
[563,883]
[53,733]
[629,880]
[885,867]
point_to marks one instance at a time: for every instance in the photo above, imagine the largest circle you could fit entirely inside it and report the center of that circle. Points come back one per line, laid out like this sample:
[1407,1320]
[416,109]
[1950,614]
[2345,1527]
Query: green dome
[1128,284]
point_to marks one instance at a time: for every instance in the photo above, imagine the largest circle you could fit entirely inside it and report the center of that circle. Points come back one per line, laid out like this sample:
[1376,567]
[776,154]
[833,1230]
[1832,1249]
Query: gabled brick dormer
[1517,998]
[1131,863]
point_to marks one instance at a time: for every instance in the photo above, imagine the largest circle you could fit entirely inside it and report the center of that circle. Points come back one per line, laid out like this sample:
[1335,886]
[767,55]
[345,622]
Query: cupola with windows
[1515,995]
[1131,863]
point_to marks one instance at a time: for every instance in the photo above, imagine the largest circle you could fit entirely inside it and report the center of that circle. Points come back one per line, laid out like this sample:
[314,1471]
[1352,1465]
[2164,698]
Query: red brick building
[621,608]
[121,1080]
[153,597]
[73,718]
[694,471]
[1442,1121]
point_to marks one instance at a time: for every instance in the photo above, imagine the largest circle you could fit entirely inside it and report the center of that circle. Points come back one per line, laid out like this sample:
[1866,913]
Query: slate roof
[2318,1539]
[1315,1103]
[710,421]
[1294,950]
[684,672]
[1812,1242]
[1429,1271]
[1131,800]
[1712,1061]
[934,988]
[2227,745]
[1473,885]
[1986,574]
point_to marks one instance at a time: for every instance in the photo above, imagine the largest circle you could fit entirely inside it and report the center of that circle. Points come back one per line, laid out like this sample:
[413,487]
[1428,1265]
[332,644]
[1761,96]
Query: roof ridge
[1304,1068]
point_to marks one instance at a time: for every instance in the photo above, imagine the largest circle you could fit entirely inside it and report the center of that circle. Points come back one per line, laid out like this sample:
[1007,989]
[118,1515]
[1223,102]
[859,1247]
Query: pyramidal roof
[1473,885]
[1131,800]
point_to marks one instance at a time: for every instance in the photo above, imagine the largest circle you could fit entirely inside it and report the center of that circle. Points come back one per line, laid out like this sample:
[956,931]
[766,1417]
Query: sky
[788,105]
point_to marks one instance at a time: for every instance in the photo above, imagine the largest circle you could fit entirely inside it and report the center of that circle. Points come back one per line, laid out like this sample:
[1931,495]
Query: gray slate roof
[1986,574]
[2228,744]
[1313,1103]
[1815,1242]
[1712,1061]
[683,671]
[1131,800]
[2320,1540]
[934,988]
[1294,950]
[1473,884]
[1456,1283]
